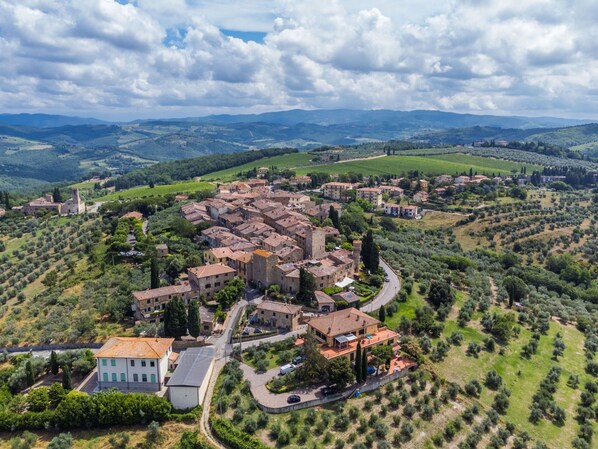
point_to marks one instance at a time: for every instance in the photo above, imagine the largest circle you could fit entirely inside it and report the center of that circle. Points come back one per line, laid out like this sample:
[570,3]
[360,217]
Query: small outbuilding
[188,385]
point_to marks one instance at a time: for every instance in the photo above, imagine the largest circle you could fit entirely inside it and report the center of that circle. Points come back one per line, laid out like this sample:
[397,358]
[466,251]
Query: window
[135,377]
[286,316]
[104,362]
[123,378]
[152,363]
[132,362]
[143,363]
[105,376]
[216,284]
[273,313]
[144,378]
[113,377]
[153,378]
[208,285]
[112,362]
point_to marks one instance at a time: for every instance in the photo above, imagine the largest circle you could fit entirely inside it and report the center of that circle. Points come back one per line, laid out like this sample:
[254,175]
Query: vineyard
[524,157]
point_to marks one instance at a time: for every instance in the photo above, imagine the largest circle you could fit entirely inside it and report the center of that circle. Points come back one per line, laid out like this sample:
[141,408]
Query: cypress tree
[364,366]
[154,274]
[175,318]
[193,319]
[358,362]
[382,313]
[307,286]
[29,373]
[67,382]
[56,195]
[54,363]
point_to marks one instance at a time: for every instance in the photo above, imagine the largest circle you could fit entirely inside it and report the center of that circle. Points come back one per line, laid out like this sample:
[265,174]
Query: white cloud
[113,60]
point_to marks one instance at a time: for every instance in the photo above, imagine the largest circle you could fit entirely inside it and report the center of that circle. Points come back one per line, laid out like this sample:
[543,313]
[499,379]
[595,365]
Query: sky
[132,59]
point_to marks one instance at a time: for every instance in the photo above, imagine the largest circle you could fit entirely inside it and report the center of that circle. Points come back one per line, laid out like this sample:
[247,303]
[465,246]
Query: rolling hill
[53,148]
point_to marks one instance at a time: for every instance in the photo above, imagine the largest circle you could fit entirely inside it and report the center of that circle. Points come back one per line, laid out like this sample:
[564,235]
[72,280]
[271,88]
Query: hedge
[80,410]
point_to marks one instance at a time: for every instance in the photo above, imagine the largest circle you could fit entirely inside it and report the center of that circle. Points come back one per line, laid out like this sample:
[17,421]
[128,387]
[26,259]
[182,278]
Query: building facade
[133,364]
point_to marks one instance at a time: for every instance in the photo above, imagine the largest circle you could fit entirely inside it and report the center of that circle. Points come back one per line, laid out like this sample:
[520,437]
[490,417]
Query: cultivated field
[158,190]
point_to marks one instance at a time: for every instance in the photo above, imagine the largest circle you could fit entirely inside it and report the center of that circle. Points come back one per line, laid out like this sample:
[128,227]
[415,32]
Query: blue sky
[155,58]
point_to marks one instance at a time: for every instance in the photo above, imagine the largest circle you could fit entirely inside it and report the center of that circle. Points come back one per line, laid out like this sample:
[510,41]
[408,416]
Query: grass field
[451,164]
[140,192]
[285,161]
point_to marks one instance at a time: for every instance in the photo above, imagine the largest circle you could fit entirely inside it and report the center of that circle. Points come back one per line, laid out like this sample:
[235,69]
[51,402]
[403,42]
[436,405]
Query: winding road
[389,290]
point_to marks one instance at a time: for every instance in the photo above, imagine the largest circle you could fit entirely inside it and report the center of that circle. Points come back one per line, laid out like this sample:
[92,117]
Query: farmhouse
[279,315]
[149,305]
[138,364]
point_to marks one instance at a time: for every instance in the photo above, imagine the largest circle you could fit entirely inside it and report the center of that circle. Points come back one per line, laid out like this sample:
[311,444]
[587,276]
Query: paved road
[93,209]
[388,292]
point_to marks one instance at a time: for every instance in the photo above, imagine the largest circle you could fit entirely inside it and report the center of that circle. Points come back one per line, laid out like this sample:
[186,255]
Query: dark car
[371,370]
[327,391]
[297,360]
[293,399]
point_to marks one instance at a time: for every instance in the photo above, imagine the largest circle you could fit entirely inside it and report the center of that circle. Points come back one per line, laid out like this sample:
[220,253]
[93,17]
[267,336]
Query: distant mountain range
[49,148]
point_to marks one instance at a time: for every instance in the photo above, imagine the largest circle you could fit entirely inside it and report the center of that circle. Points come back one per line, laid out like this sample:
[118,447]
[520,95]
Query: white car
[287,369]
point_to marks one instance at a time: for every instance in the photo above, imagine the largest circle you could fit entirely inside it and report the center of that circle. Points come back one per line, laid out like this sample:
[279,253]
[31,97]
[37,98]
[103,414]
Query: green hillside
[140,192]
[430,165]
[285,161]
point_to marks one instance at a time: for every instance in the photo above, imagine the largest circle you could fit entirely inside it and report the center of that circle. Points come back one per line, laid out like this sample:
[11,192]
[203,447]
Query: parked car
[386,278]
[245,332]
[257,330]
[327,391]
[293,399]
[287,369]
[297,360]
[371,370]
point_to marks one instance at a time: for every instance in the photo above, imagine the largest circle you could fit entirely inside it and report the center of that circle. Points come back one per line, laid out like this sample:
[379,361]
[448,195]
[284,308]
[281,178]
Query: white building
[189,382]
[133,363]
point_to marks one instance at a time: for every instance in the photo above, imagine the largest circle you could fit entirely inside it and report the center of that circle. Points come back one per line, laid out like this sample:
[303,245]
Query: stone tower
[356,254]
[315,243]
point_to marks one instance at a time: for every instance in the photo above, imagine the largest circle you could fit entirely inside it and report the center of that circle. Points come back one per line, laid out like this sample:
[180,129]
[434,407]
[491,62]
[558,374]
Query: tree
[370,253]
[38,399]
[175,318]
[307,286]
[441,293]
[340,372]
[315,365]
[56,394]
[333,215]
[50,279]
[62,441]
[382,313]
[53,363]
[30,374]
[515,288]
[67,382]
[176,264]
[193,319]
[358,362]
[364,365]
[154,273]
[57,195]
[381,354]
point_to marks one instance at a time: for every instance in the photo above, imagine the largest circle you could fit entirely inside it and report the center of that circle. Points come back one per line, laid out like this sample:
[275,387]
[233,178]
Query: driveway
[389,290]
[265,397]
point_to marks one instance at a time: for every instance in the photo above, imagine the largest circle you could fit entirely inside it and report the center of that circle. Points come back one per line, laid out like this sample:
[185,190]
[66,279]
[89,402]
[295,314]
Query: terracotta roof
[210,270]
[342,322]
[279,307]
[323,298]
[262,253]
[219,253]
[162,291]
[139,348]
